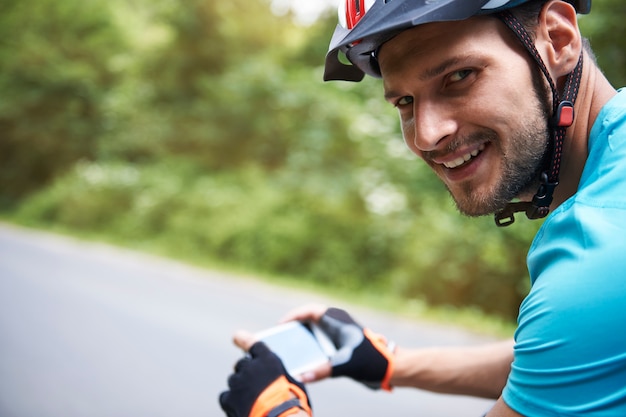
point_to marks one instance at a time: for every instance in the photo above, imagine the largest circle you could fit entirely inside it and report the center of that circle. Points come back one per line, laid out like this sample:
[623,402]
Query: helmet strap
[562,118]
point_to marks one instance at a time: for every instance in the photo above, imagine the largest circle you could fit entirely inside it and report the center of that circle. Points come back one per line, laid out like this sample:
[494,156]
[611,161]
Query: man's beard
[526,156]
[522,165]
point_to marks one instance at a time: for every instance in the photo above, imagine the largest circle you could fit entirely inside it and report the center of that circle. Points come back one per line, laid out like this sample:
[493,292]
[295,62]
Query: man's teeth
[463,159]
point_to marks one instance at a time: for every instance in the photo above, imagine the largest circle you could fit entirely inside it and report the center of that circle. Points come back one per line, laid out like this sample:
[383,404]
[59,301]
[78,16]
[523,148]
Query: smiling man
[504,101]
[477,142]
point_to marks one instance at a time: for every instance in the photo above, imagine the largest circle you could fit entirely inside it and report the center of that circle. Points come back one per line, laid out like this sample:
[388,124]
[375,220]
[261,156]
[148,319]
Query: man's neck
[595,91]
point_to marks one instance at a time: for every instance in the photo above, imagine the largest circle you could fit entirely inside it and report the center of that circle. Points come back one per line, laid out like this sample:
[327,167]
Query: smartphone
[301,347]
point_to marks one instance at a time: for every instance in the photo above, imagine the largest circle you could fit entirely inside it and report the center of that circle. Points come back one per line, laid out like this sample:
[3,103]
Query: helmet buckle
[538,208]
[564,115]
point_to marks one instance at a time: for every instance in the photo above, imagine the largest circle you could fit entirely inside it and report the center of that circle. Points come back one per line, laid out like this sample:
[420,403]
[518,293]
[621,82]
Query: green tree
[57,62]
[605,28]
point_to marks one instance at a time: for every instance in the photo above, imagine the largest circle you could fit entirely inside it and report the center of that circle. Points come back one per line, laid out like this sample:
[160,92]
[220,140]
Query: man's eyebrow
[432,72]
[439,69]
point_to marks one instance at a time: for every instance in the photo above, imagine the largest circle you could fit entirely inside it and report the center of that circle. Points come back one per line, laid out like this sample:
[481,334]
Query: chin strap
[562,118]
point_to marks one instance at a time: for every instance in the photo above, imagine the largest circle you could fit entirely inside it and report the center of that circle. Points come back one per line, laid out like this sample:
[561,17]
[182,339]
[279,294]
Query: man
[487,92]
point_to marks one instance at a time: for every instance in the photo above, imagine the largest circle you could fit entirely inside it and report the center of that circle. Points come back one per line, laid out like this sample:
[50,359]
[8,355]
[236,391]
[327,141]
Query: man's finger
[244,340]
[309,312]
[322,372]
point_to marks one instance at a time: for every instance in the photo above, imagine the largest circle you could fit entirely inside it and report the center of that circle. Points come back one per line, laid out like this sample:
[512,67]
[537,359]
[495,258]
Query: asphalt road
[90,330]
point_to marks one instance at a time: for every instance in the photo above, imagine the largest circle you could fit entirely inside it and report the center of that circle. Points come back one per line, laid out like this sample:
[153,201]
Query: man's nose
[432,124]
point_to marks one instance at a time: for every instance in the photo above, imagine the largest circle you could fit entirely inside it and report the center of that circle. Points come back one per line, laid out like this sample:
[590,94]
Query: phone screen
[296,345]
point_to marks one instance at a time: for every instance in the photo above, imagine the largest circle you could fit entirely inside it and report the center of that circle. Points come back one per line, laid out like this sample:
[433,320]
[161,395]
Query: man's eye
[403,101]
[460,75]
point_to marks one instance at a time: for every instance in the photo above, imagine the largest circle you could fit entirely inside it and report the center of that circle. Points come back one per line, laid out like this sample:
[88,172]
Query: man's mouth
[463,159]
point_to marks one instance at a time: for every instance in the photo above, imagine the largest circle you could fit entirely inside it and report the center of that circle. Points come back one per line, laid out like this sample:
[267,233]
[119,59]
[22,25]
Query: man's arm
[477,371]
[500,409]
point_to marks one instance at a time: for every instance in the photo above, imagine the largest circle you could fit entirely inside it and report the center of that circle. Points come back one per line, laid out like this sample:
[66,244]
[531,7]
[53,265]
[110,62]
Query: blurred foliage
[207,132]
[56,65]
[605,29]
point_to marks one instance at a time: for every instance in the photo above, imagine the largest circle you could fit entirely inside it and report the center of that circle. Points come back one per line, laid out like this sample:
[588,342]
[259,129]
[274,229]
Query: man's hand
[361,354]
[261,387]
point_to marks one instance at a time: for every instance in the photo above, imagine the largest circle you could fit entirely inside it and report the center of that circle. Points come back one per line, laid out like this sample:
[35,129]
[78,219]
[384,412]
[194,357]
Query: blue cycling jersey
[570,350]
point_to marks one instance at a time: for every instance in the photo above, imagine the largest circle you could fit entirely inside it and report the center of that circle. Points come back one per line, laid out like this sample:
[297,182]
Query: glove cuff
[279,392]
[386,350]
[285,409]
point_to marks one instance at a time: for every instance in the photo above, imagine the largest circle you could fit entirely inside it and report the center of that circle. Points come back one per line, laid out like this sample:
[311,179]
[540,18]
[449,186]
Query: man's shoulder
[602,184]
[611,117]
[569,352]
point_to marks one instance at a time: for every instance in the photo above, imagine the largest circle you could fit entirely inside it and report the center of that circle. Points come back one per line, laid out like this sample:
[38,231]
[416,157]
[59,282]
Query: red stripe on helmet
[355,10]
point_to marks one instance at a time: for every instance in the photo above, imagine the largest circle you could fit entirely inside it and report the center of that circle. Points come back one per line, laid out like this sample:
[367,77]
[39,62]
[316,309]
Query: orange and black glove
[261,387]
[361,354]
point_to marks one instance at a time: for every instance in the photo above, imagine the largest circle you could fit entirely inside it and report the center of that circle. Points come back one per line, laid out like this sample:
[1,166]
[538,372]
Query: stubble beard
[522,165]
[526,156]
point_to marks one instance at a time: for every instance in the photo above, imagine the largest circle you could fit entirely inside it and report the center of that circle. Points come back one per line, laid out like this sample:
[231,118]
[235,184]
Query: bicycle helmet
[364,25]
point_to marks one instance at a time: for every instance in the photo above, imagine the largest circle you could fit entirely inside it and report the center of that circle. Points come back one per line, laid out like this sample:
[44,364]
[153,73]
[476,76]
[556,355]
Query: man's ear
[558,37]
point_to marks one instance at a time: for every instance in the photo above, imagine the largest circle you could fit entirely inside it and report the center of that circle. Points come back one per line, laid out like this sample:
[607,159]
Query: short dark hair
[528,15]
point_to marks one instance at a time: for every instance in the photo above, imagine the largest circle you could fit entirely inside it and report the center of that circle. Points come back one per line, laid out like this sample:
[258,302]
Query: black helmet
[366,24]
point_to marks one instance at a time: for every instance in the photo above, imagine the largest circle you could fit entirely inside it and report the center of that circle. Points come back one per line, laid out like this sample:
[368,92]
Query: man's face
[469,106]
